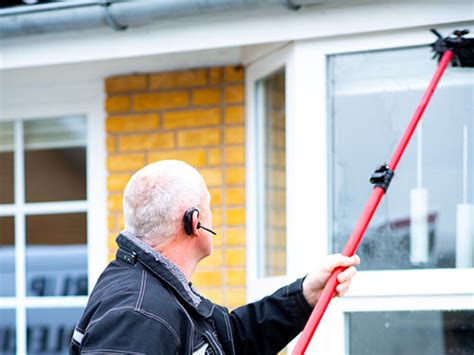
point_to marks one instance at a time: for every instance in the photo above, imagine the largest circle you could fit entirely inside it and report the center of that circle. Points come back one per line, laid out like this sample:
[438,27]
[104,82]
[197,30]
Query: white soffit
[230,30]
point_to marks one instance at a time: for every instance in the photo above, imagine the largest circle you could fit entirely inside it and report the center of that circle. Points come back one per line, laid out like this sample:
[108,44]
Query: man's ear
[195,222]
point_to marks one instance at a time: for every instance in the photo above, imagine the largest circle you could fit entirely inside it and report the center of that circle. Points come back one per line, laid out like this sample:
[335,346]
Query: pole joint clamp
[382,177]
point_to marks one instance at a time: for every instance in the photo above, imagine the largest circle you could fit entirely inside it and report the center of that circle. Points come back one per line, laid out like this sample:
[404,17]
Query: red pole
[369,210]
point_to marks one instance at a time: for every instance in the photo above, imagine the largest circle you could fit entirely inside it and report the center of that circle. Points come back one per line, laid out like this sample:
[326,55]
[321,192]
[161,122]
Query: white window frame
[308,192]
[30,103]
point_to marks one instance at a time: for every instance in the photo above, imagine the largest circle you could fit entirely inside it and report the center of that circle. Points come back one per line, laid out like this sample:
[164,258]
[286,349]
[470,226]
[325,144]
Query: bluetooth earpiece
[188,221]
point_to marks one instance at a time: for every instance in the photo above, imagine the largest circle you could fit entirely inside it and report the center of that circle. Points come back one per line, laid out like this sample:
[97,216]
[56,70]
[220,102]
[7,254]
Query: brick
[207,278]
[215,75]
[117,182]
[192,118]
[215,260]
[235,257]
[214,156]
[235,237]
[235,196]
[132,123]
[188,78]
[111,222]
[202,97]
[123,84]
[278,178]
[235,216]
[234,155]
[111,255]
[278,218]
[212,176]
[235,297]
[199,137]
[216,218]
[146,141]
[234,135]
[234,94]
[111,242]
[194,157]
[235,176]
[125,162]
[216,295]
[120,221]
[216,196]
[234,73]
[114,203]
[111,143]
[117,104]
[234,114]
[160,101]
[236,277]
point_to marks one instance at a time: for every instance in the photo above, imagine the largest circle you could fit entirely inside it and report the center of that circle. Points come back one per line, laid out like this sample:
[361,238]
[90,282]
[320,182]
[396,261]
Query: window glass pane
[273,174]
[7,257]
[56,255]
[55,159]
[427,218]
[422,332]
[6,162]
[49,331]
[7,332]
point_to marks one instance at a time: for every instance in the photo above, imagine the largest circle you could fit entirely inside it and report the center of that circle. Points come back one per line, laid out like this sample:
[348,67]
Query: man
[143,303]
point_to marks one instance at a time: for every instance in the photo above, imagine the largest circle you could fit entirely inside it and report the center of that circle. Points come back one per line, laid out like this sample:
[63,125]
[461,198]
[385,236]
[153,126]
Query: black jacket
[140,305]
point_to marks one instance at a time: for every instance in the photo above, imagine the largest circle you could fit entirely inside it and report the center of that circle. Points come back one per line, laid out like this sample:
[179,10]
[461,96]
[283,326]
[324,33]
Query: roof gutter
[117,14]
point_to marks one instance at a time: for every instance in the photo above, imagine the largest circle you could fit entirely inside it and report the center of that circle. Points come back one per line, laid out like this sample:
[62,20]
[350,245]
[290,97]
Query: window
[426,219]
[43,227]
[411,332]
[272,175]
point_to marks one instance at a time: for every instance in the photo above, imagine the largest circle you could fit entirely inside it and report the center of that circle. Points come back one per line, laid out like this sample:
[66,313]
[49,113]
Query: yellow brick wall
[196,116]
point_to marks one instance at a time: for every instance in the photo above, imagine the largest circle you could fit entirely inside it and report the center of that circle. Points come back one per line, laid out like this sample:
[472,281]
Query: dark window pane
[55,174]
[7,332]
[7,257]
[55,159]
[273,248]
[56,254]
[427,218]
[420,333]
[6,163]
[49,331]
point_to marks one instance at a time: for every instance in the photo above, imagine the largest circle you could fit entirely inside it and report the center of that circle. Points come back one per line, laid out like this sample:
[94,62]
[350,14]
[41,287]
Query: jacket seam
[228,327]
[93,351]
[144,313]
[191,343]
[142,290]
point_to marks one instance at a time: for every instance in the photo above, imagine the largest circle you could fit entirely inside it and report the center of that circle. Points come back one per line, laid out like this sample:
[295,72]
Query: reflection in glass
[49,331]
[273,172]
[55,159]
[372,97]
[420,333]
[6,163]
[7,257]
[56,255]
[7,332]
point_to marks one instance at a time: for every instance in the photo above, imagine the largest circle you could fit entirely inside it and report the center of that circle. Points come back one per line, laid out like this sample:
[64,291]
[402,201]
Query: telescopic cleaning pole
[462,49]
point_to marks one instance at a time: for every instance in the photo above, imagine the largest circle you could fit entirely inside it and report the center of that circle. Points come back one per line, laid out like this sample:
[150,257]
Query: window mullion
[20,239]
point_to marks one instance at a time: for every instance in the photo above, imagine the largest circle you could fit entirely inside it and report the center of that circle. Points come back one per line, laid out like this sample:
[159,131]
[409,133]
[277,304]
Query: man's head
[156,198]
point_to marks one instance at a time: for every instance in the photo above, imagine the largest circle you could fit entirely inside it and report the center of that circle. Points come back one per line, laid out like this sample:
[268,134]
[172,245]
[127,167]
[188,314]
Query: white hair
[156,197]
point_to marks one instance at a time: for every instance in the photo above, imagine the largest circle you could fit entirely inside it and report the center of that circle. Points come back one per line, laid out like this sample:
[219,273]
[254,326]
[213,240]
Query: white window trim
[256,285]
[28,103]
[308,192]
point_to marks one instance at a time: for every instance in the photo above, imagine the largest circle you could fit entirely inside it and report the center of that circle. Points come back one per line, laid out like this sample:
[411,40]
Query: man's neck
[178,253]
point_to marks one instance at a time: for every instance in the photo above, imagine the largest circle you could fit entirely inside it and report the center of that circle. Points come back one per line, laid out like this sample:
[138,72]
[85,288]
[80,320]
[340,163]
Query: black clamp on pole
[382,177]
[463,48]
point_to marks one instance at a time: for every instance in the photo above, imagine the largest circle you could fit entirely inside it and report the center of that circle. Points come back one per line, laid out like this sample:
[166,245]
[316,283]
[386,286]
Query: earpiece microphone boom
[188,222]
